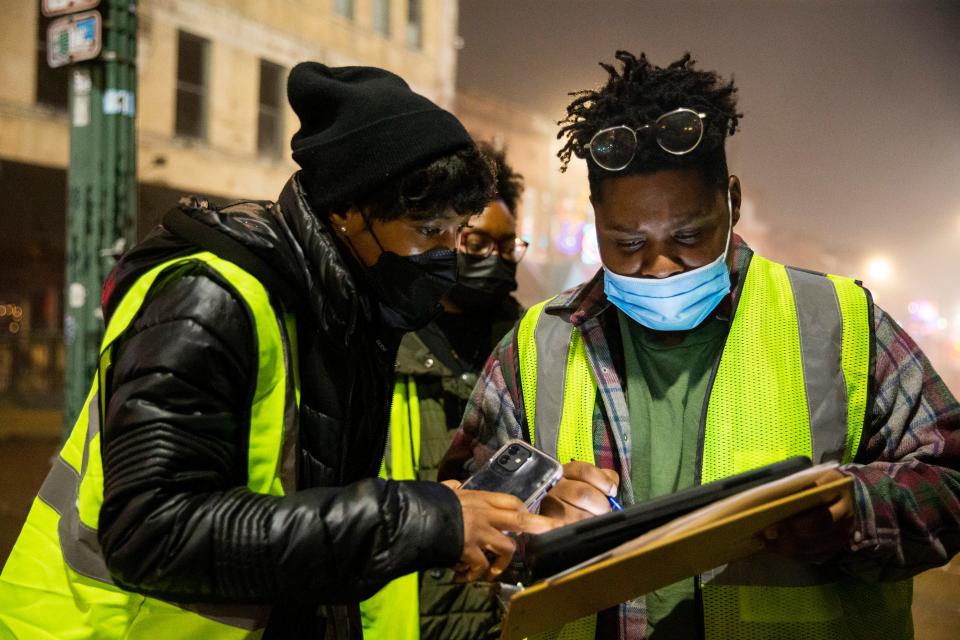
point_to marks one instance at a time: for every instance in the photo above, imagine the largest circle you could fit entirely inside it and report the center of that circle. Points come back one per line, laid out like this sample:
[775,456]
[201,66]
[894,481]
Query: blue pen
[613,503]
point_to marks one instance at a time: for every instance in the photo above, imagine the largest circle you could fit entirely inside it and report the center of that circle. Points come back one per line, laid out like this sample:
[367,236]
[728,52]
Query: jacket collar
[327,276]
[287,235]
[587,301]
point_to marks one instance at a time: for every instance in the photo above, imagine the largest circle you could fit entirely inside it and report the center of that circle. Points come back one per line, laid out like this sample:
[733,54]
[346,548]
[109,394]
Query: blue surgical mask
[677,303]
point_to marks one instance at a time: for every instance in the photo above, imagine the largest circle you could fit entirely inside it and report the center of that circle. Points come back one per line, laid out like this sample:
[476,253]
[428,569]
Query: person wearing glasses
[437,368]
[222,480]
[689,358]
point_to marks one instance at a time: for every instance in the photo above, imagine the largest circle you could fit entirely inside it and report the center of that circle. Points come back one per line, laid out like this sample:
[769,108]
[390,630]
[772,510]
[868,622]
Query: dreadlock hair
[639,93]
[509,183]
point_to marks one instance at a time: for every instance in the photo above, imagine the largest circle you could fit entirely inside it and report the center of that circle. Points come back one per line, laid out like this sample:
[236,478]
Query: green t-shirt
[666,384]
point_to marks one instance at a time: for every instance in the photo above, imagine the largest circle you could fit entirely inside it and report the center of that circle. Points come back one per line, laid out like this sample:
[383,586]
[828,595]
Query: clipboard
[703,540]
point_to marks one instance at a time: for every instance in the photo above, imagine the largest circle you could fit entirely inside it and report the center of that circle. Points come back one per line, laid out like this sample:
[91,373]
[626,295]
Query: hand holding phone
[488,520]
[519,469]
[495,502]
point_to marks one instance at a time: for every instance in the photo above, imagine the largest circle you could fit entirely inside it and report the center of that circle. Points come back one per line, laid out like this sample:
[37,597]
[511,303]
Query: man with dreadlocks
[689,358]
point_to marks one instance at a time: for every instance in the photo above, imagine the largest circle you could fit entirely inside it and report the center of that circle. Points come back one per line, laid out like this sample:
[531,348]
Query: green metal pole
[101,191]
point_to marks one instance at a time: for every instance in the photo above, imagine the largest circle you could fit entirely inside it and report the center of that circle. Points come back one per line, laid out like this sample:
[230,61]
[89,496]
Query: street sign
[73,38]
[52,8]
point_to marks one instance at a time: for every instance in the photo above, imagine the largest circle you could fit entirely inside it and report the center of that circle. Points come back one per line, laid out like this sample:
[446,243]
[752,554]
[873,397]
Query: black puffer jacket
[177,521]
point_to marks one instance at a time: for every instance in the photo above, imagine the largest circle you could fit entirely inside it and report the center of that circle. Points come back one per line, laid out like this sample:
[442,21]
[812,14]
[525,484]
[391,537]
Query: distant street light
[879,270]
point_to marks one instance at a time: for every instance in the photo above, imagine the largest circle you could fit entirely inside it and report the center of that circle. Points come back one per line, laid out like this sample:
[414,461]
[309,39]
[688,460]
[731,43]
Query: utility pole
[101,180]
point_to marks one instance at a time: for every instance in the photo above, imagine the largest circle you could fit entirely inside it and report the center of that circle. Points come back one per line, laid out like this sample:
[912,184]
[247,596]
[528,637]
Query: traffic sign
[51,8]
[73,38]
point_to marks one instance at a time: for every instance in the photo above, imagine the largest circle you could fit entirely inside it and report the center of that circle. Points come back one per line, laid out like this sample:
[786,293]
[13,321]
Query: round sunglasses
[677,132]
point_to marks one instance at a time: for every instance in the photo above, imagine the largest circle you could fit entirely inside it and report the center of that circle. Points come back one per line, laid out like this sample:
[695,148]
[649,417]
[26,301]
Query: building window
[192,85]
[414,23]
[52,84]
[270,115]
[381,16]
[344,8]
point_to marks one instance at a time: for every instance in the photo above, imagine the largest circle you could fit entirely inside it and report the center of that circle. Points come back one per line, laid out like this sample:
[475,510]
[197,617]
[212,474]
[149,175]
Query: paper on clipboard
[711,513]
[714,536]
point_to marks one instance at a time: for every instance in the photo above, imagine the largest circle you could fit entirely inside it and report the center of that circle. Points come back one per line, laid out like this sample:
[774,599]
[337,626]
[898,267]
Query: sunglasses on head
[677,132]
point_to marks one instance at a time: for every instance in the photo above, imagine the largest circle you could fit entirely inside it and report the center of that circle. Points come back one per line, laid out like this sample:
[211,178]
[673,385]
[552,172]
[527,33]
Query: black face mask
[409,288]
[483,282]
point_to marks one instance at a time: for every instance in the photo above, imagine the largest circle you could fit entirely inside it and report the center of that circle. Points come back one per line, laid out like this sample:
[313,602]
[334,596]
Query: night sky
[851,133]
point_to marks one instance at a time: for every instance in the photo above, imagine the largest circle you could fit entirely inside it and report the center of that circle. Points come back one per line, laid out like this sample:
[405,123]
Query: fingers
[841,510]
[486,555]
[581,495]
[521,521]
[560,510]
[814,535]
[492,499]
[487,551]
[585,489]
[475,561]
[453,484]
[502,548]
[605,481]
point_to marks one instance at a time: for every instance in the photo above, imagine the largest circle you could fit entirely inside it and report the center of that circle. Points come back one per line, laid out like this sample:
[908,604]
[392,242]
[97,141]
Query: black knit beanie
[361,127]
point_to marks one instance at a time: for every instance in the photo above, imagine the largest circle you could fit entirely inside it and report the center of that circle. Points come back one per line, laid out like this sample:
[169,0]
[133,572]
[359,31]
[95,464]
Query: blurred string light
[569,238]
[925,318]
[955,333]
[879,270]
[13,315]
[590,254]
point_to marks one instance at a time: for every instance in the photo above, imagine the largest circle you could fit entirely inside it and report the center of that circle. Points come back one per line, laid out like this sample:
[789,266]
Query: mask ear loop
[726,247]
[366,223]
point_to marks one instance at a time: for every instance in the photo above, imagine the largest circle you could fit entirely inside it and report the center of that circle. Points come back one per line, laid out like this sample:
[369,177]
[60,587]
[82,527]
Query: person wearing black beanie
[361,127]
[223,479]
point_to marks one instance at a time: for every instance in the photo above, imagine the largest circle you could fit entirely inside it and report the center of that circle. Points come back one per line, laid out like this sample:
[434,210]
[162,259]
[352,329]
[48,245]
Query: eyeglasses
[481,245]
[677,132]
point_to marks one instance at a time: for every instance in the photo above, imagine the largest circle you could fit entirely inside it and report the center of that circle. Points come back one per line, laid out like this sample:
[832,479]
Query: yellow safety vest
[393,613]
[56,585]
[791,380]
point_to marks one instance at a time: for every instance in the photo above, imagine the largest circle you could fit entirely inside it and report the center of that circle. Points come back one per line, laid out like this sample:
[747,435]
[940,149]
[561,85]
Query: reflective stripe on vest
[556,388]
[792,380]
[393,613]
[43,596]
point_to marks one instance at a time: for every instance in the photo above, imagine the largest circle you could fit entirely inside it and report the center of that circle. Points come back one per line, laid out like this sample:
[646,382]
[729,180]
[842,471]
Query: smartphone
[520,470]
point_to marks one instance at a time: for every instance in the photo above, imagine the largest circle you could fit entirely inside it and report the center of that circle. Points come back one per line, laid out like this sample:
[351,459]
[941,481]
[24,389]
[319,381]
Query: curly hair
[637,94]
[462,181]
[509,183]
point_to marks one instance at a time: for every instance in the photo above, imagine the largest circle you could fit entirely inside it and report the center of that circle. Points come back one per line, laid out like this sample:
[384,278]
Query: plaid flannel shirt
[906,474]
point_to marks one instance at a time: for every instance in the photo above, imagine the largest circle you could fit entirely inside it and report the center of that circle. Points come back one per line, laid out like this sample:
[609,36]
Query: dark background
[850,136]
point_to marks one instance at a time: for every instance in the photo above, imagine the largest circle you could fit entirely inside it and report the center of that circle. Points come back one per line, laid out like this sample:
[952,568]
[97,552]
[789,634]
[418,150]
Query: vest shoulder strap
[527,356]
[557,385]
[209,239]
